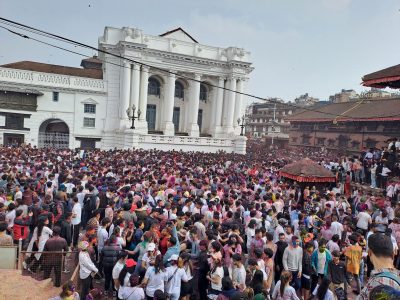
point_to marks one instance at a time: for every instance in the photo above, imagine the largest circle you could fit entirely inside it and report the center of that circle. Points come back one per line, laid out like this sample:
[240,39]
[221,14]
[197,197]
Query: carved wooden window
[306,139]
[343,141]
[320,141]
[14,121]
[355,144]
[370,143]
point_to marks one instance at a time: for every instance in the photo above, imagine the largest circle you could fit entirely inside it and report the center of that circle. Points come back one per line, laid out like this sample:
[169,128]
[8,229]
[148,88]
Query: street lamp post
[130,112]
[242,126]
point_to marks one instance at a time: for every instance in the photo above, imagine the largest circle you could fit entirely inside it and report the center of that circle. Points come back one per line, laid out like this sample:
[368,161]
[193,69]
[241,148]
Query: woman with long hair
[216,274]
[126,273]
[257,282]
[40,235]
[155,277]
[68,292]
[322,291]
[283,290]
[186,287]
[134,291]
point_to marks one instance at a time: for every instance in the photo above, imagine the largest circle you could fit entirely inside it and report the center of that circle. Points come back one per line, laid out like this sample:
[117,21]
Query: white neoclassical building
[175,84]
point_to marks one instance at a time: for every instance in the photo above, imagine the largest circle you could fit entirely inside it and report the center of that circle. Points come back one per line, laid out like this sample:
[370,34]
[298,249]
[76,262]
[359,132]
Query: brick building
[348,126]
[267,121]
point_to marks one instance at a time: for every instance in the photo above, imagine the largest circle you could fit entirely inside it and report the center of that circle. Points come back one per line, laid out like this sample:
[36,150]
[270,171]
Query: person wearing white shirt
[336,227]
[175,277]
[102,234]
[86,268]
[155,277]
[76,221]
[364,218]
[118,268]
[132,292]
[238,273]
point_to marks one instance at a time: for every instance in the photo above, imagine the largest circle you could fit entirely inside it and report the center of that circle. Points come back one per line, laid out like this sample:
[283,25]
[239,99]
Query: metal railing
[60,266]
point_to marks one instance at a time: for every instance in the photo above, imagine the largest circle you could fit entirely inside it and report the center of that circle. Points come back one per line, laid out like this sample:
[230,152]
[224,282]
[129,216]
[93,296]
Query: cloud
[336,5]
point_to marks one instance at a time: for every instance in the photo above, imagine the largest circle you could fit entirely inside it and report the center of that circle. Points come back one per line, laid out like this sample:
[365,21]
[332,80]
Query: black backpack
[89,203]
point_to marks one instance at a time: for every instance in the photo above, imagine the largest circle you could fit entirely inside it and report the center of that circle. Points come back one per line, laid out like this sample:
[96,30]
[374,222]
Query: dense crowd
[179,225]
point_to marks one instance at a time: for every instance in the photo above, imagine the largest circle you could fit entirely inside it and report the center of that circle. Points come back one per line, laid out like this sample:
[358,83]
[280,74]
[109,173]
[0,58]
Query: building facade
[348,126]
[267,121]
[183,94]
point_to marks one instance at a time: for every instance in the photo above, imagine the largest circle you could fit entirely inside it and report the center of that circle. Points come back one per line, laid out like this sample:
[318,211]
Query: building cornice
[177,58]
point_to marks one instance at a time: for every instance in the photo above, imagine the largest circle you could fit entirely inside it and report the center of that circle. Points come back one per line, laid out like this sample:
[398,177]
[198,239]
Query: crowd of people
[185,225]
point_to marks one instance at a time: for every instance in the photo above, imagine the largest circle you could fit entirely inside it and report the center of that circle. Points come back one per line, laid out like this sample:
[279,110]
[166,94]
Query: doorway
[151,116]
[175,118]
[200,119]
[54,133]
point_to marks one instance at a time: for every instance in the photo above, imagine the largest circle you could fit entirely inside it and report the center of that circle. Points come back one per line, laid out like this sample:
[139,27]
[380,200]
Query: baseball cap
[130,263]
[173,257]
[151,247]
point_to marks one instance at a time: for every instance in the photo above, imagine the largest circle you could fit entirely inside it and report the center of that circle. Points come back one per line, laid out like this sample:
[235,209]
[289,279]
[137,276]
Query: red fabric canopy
[306,170]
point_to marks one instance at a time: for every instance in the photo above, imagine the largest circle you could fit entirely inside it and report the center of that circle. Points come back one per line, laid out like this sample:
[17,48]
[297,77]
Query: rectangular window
[14,121]
[306,140]
[55,96]
[90,108]
[320,141]
[89,122]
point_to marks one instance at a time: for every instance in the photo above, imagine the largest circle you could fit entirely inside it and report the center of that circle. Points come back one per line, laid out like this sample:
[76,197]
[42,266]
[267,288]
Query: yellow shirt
[354,255]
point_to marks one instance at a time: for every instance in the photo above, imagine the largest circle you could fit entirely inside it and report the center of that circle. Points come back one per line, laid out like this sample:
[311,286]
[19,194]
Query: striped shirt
[375,281]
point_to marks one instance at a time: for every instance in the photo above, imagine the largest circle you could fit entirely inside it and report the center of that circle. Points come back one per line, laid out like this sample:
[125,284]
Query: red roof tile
[55,69]
[368,110]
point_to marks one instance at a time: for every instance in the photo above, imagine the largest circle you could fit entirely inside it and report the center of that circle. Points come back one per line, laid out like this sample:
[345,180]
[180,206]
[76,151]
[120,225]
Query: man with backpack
[380,251]
[90,204]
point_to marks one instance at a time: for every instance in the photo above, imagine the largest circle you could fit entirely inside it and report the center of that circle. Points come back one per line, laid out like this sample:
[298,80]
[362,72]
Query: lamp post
[130,112]
[242,126]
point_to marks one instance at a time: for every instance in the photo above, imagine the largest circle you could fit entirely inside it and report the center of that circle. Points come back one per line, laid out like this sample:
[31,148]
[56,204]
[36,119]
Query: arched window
[203,93]
[179,90]
[154,87]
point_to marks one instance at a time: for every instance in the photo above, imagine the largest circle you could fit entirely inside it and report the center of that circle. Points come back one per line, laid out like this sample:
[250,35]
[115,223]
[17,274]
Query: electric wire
[76,43]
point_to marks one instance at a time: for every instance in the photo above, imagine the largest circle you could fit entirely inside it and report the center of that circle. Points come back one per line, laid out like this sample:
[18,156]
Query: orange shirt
[354,255]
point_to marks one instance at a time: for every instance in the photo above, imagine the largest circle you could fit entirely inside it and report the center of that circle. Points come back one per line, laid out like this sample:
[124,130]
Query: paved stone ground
[13,285]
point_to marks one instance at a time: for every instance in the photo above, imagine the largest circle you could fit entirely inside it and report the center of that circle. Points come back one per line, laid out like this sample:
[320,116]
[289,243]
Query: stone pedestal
[169,129]
[240,144]
[131,139]
[142,127]
[193,130]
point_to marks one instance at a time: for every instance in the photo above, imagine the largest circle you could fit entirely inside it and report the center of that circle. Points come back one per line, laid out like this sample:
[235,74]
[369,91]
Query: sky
[297,46]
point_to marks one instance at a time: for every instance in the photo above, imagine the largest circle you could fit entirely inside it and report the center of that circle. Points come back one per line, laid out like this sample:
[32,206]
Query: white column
[135,85]
[125,90]
[218,102]
[238,102]
[194,106]
[230,111]
[144,82]
[225,102]
[169,106]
